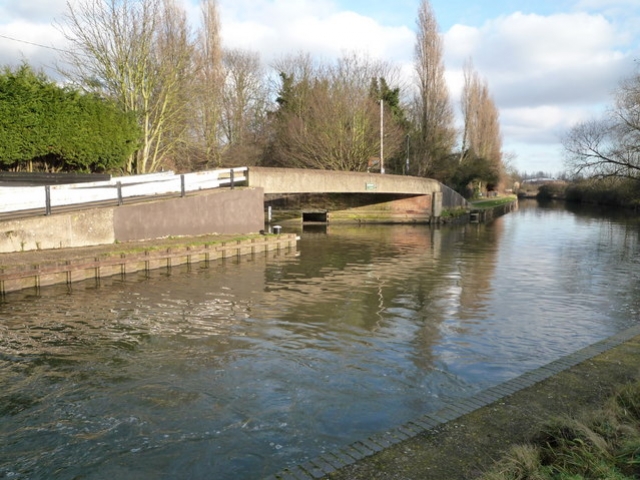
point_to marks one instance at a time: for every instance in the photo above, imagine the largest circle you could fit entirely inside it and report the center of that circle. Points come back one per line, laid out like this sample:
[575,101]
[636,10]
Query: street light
[381,136]
[406,167]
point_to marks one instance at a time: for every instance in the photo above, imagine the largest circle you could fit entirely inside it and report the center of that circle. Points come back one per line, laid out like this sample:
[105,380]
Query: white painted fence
[118,189]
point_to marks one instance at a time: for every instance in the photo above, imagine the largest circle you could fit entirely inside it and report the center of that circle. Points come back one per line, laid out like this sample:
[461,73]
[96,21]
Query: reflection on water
[245,367]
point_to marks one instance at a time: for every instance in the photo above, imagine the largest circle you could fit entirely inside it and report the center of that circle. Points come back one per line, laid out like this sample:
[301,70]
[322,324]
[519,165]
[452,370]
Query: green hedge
[61,127]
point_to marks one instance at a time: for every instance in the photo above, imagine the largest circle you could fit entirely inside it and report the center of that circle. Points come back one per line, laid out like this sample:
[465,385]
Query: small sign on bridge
[370,186]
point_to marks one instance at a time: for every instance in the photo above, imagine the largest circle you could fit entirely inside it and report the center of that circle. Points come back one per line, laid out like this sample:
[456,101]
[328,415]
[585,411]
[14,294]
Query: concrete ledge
[35,273]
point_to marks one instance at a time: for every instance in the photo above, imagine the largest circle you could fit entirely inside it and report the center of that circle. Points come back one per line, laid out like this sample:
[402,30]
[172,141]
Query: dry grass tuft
[600,445]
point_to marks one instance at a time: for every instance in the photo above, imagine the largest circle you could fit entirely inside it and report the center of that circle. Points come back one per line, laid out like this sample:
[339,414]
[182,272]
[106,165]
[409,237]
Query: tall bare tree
[481,132]
[136,52]
[244,103]
[468,100]
[480,159]
[174,67]
[433,112]
[207,100]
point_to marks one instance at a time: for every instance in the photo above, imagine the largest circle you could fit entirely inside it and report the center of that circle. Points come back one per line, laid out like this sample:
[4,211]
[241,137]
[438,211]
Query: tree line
[196,104]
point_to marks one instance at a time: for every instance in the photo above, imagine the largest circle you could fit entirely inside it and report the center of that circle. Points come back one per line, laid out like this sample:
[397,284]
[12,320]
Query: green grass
[600,445]
[493,202]
[453,213]
[176,243]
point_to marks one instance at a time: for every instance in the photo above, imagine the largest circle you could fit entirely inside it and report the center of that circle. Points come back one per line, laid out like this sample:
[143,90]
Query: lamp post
[406,166]
[381,136]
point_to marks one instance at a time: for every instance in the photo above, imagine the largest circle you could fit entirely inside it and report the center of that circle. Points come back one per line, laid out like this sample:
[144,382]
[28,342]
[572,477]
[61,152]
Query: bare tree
[602,148]
[245,95]
[245,102]
[174,67]
[328,118]
[433,111]
[610,146]
[468,100]
[481,138]
[136,52]
[209,78]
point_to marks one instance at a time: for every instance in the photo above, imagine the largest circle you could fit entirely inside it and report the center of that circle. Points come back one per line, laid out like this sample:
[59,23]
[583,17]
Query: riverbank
[35,269]
[465,440]
[488,209]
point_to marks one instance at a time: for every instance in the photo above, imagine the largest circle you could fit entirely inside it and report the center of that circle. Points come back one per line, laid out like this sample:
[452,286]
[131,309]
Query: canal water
[240,369]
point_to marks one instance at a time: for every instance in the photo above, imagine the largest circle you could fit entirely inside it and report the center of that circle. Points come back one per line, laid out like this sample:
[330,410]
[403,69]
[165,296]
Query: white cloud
[37,11]
[25,41]
[531,59]
[539,125]
[27,29]
[289,26]
[545,72]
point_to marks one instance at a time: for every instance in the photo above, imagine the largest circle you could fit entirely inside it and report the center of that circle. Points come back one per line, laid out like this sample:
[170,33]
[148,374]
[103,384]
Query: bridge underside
[350,208]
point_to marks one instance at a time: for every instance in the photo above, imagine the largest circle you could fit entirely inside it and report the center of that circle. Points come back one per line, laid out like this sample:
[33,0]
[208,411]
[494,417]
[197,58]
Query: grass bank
[493,202]
[600,444]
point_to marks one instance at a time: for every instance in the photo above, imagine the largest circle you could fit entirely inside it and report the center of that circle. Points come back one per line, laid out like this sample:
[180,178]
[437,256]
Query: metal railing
[116,191]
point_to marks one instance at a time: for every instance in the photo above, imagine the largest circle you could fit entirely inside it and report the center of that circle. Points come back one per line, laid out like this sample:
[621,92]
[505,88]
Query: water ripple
[242,368]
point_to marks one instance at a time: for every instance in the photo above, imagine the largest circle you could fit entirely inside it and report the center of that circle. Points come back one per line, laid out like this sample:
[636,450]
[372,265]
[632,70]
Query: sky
[549,64]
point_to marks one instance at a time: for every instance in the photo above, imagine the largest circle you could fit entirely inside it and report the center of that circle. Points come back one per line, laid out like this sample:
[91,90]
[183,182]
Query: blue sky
[548,63]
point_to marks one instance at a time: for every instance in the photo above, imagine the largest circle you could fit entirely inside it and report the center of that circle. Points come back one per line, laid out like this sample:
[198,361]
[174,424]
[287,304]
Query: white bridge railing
[116,190]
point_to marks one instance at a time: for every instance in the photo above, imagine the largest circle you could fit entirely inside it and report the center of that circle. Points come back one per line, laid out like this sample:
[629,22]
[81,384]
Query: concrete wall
[77,229]
[237,211]
[293,180]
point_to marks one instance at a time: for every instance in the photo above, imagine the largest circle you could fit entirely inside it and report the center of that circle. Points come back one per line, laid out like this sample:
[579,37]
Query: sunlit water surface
[248,366]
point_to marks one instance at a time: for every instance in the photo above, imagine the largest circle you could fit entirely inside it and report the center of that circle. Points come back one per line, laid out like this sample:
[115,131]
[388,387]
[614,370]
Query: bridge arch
[393,198]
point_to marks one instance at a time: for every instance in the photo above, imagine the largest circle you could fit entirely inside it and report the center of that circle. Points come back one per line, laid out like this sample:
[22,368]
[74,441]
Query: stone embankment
[35,269]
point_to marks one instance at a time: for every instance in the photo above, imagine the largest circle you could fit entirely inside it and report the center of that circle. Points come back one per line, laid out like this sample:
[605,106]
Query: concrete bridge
[354,196]
[228,201]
